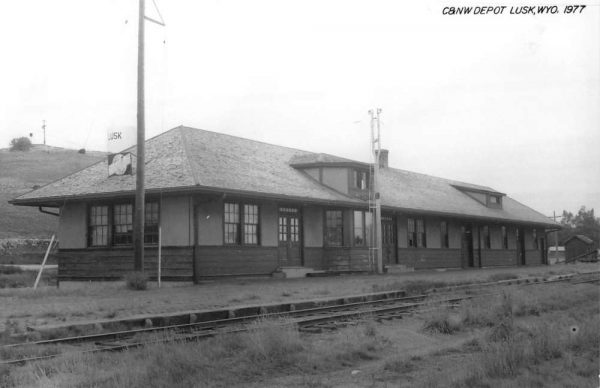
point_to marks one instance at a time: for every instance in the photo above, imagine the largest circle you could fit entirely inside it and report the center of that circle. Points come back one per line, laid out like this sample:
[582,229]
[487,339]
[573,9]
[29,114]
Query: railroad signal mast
[374,195]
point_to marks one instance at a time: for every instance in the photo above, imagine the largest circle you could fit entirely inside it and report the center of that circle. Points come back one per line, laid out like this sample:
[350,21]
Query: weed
[442,321]
[137,280]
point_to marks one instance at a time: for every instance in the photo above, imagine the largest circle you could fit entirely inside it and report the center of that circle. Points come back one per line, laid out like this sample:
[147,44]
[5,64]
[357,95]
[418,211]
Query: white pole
[39,276]
[159,256]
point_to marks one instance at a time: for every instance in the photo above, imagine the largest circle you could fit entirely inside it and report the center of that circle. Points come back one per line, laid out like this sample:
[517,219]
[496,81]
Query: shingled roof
[187,159]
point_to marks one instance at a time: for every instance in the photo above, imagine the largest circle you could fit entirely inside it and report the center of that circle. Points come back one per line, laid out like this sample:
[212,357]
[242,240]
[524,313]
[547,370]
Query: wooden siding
[226,260]
[346,259]
[314,258]
[423,258]
[177,263]
[498,257]
[533,257]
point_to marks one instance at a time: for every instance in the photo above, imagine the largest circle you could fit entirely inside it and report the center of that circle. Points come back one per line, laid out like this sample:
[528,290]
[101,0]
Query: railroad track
[309,320]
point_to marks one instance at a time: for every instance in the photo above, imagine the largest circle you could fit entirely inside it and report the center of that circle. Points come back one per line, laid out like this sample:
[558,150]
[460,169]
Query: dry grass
[270,348]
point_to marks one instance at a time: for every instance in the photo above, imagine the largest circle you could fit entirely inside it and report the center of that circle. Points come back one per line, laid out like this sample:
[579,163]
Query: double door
[290,237]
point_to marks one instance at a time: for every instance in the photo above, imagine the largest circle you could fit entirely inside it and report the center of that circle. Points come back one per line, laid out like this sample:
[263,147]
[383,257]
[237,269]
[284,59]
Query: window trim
[242,222]
[356,175]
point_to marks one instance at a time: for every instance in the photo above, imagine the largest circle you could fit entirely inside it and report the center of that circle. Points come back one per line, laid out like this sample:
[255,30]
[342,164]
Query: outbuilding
[226,205]
[580,247]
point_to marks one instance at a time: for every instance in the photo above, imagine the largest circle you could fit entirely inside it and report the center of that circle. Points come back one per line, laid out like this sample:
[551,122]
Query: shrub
[81,151]
[20,144]
[442,321]
[136,280]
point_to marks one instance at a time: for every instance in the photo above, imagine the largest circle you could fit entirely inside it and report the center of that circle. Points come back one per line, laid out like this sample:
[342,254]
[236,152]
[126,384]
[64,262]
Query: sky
[507,101]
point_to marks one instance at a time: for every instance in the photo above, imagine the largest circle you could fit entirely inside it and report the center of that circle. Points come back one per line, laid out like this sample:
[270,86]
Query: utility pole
[44,128]
[376,153]
[555,237]
[138,227]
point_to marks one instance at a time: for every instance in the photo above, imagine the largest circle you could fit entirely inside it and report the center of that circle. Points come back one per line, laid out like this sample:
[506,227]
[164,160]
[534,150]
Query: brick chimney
[383,158]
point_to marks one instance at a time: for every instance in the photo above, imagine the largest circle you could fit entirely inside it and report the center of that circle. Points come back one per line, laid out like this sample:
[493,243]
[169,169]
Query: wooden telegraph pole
[138,227]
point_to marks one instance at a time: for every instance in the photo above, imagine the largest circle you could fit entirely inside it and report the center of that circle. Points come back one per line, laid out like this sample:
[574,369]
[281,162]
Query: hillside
[20,172]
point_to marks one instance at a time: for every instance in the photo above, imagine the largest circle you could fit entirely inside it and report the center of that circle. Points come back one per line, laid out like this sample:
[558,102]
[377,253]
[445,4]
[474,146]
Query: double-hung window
[98,226]
[112,224]
[444,234]
[334,228]
[416,233]
[122,224]
[487,243]
[504,238]
[241,227]
[363,225]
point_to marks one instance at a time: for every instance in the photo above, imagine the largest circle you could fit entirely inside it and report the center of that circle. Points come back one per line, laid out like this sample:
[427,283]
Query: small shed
[580,247]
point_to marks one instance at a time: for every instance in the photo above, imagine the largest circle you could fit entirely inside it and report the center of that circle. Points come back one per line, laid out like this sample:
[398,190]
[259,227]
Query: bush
[81,151]
[136,280]
[20,144]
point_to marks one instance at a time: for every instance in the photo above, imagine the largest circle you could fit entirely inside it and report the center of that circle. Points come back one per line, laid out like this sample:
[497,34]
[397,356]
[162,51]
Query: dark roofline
[580,237]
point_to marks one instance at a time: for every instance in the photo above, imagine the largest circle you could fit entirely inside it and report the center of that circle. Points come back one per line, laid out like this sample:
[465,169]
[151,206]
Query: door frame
[300,228]
[520,237]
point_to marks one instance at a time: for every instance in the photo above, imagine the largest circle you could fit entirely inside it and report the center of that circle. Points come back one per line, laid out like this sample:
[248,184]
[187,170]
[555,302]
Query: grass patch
[271,348]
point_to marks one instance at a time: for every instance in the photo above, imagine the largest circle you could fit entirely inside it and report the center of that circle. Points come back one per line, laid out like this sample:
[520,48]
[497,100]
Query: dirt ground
[87,301]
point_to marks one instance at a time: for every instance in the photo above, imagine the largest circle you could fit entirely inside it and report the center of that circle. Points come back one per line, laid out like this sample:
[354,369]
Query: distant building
[580,247]
[556,254]
[233,206]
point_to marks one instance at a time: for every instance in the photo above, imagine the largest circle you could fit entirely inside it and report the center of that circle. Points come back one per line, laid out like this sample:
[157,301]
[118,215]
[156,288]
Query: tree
[20,144]
[584,222]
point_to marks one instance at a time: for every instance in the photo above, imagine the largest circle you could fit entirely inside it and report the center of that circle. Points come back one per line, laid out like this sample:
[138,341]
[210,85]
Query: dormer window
[361,180]
[494,201]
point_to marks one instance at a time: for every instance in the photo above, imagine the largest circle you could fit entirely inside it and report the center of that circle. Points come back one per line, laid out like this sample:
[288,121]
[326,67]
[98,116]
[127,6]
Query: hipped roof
[192,160]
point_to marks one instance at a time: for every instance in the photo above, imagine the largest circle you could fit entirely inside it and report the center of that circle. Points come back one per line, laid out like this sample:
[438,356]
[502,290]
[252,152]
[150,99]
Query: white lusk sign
[117,140]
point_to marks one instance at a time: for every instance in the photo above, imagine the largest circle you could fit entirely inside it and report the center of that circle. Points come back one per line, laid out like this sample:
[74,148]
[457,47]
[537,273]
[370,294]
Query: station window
[416,233]
[363,224]
[334,228]
[234,220]
[98,227]
[361,180]
[122,224]
[535,240]
[504,238]
[112,225]
[487,242]
[444,234]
